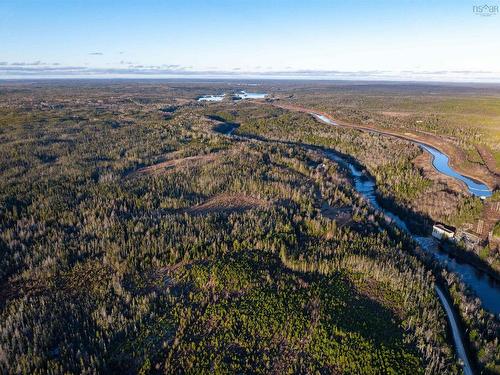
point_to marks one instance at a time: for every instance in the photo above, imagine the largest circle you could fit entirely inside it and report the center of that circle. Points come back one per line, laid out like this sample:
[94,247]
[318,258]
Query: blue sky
[339,39]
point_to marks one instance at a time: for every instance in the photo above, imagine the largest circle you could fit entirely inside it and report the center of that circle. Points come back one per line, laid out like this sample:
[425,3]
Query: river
[440,161]
[485,287]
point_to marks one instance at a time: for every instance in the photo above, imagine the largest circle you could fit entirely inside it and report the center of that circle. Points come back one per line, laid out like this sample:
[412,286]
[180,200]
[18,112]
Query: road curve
[459,345]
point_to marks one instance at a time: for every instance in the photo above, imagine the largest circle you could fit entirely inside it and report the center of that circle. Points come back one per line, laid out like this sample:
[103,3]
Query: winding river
[441,162]
[485,287]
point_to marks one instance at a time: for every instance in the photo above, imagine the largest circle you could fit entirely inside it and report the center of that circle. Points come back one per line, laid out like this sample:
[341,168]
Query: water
[250,95]
[441,162]
[211,98]
[484,286]
[240,95]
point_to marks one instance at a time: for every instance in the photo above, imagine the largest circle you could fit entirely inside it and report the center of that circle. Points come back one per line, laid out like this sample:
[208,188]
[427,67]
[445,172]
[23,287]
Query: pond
[211,98]
[250,95]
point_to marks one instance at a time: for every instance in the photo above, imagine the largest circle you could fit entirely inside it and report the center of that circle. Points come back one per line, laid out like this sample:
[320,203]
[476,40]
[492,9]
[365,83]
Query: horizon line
[36,71]
[251,79]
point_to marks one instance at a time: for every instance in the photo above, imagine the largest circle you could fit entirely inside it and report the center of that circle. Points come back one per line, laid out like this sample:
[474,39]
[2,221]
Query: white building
[441,231]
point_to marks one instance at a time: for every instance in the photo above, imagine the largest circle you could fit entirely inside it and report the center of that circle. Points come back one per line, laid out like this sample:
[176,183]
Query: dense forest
[135,237]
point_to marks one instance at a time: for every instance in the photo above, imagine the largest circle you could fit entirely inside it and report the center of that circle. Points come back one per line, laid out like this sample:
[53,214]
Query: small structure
[441,231]
[470,240]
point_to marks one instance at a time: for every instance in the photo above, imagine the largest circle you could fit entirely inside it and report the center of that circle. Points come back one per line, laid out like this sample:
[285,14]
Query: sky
[408,40]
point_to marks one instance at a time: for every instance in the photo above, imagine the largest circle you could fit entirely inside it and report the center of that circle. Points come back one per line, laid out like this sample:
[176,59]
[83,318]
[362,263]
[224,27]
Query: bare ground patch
[228,203]
[342,215]
[490,216]
[169,166]
[396,113]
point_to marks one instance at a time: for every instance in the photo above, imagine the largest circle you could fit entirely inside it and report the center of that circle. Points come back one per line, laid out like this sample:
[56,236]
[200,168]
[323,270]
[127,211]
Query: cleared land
[170,166]
[228,203]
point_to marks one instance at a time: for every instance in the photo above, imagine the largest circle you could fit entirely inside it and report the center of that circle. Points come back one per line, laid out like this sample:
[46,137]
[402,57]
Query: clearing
[228,203]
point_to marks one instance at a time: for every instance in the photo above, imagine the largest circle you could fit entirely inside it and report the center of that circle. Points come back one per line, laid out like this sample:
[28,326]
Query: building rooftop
[444,228]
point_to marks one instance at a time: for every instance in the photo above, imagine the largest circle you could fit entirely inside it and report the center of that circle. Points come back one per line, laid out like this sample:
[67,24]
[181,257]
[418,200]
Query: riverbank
[456,156]
[470,258]
[422,225]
